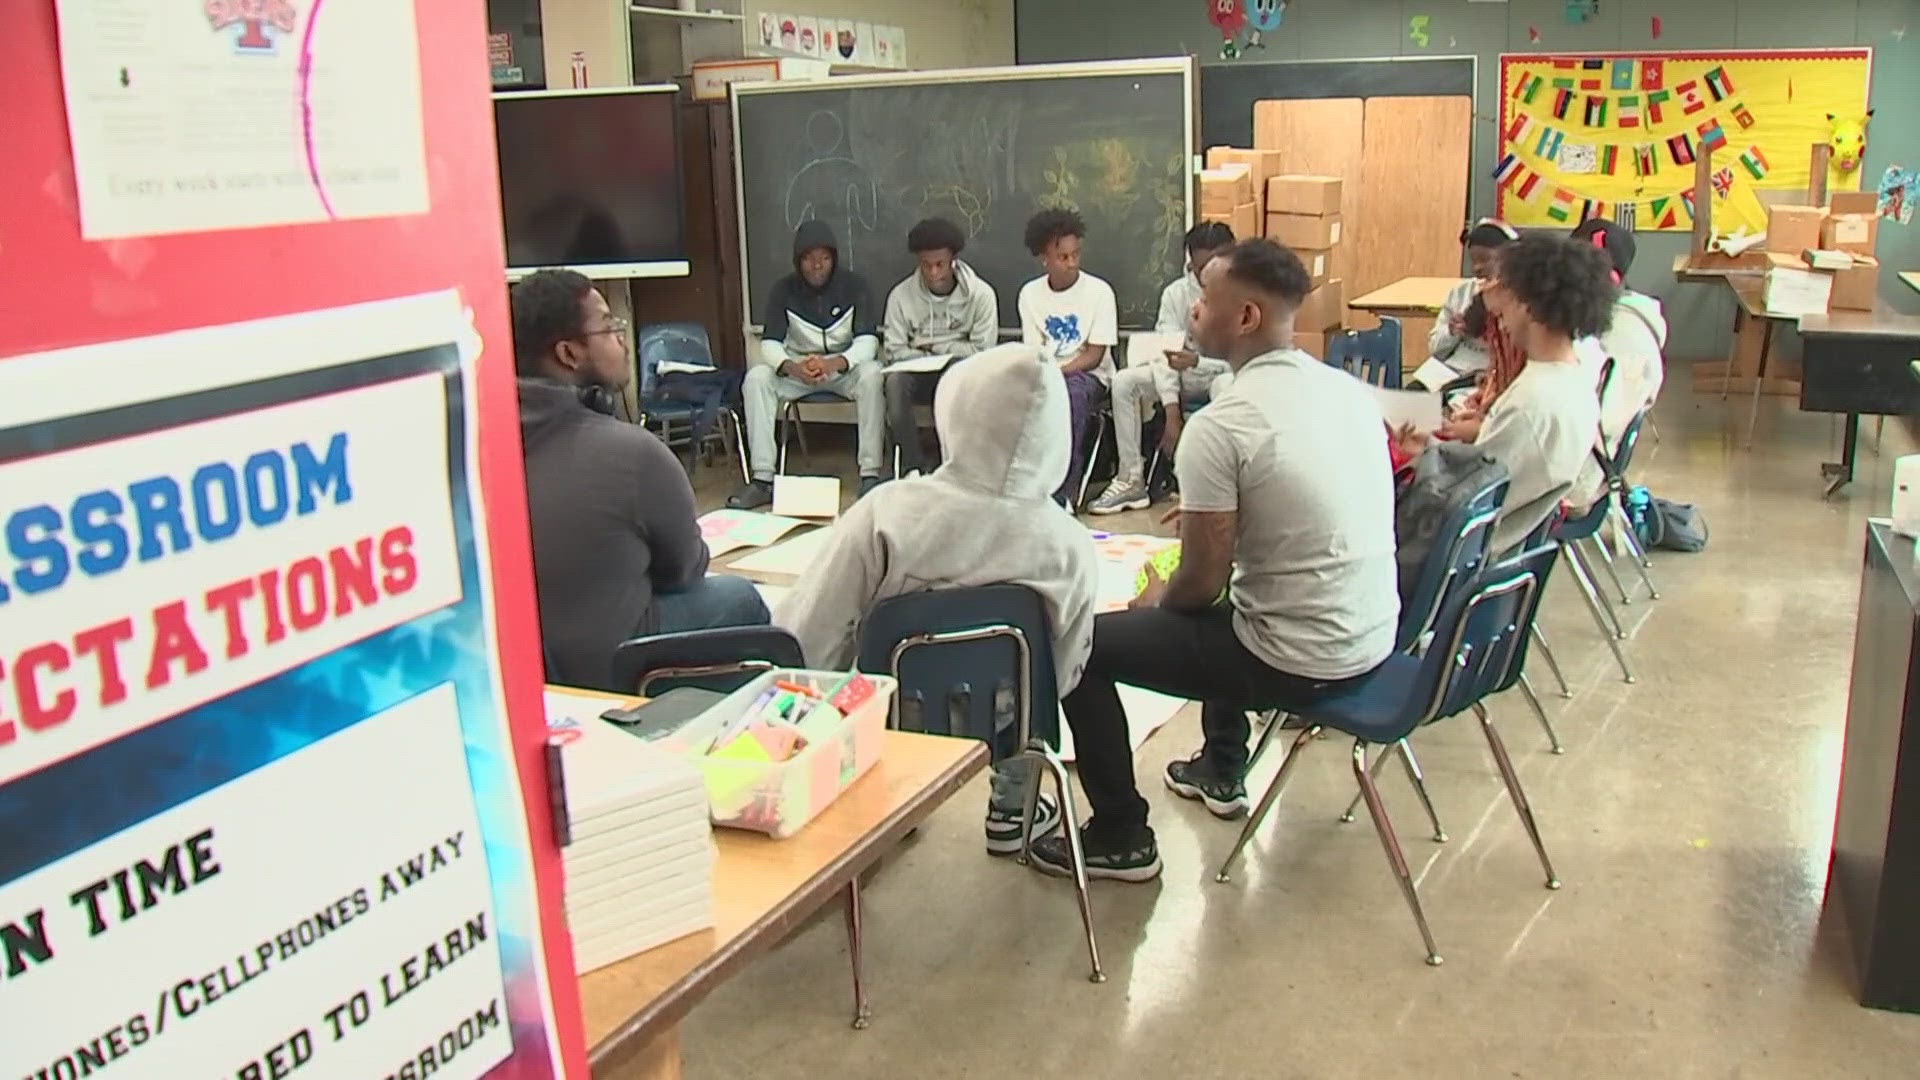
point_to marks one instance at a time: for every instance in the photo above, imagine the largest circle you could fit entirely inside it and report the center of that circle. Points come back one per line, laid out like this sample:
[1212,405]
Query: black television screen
[591,180]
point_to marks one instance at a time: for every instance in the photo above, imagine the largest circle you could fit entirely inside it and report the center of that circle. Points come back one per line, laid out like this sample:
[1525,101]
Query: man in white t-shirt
[1286,507]
[1172,380]
[1070,315]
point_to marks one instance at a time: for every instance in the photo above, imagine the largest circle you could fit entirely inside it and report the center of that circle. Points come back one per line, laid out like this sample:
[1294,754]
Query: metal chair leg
[1514,792]
[1093,454]
[1540,642]
[783,435]
[1553,737]
[1274,718]
[1653,429]
[1641,563]
[1379,763]
[1404,749]
[739,444]
[1606,563]
[1395,858]
[1266,801]
[1601,614]
[862,1015]
[1069,819]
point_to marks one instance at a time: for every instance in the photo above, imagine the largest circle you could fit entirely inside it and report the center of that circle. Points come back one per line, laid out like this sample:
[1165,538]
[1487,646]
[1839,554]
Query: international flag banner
[1525,183]
[1722,181]
[1627,115]
[1646,161]
[1655,115]
[1563,84]
[1712,137]
[1565,63]
[1718,84]
[1589,84]
[1686,199]
[1547,147]
[1689,94]
[1626,215]
[1610,159]
[1653,74]
[1596,111]
[1623,74]
[1517,130]
[1504,171]
[1681,147]
[1755,163]
[1562,104]
[1740,115]
[1561,208]
[1593,63]
[1526,87]
[1665,214]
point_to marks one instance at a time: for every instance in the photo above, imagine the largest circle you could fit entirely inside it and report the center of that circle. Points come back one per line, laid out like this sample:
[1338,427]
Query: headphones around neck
[597,398]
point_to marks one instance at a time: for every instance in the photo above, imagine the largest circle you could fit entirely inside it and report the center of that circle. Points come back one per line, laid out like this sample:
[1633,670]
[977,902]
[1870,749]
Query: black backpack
[1429,495]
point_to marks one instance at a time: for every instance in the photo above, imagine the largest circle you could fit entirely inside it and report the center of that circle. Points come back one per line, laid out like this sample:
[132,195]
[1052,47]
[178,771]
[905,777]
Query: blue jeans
[720,600]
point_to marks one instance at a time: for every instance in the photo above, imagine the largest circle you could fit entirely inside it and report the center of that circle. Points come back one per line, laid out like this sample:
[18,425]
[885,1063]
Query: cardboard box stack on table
[1226,195]
[1822,257]
[1303,213]
[1245,219]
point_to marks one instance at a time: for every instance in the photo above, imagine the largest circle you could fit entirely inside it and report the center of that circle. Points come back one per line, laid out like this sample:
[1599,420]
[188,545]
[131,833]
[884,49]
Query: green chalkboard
[872,155]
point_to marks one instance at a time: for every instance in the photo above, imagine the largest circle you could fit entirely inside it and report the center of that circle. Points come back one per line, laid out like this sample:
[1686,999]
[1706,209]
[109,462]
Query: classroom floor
[1690,818]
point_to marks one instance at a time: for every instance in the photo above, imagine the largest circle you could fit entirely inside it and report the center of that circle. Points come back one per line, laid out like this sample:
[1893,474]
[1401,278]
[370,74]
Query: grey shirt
[1298,450]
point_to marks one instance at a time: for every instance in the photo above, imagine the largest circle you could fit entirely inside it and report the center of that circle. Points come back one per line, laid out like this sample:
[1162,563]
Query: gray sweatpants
[766,391]
[1137,388]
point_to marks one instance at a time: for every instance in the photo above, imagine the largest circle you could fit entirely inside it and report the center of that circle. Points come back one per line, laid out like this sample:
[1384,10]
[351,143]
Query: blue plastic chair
[723,659]
[1372,356]
[683,342]
[1478,632]
[977,663]
[1580,534]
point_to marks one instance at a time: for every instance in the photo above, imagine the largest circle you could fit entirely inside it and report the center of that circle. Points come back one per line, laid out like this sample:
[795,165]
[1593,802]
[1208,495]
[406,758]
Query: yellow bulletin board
[1583,135]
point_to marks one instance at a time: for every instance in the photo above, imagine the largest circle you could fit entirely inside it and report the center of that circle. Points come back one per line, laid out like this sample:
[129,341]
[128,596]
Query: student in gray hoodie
[984,517]
[943,308]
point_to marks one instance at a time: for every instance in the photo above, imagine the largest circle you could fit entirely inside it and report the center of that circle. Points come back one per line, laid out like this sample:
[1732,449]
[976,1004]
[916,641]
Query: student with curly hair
[1071,316]
[1547,293]
[943,308]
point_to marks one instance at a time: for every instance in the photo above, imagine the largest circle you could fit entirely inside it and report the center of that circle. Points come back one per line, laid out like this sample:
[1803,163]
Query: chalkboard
[872,155]
[1228,91]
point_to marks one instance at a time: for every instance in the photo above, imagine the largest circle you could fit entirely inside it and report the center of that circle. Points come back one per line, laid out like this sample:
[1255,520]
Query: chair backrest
[1539,561]
[1469,642]
[721,659]
[1629,438]
[685,342]
[1369,355]
[1452,563]
[975,663]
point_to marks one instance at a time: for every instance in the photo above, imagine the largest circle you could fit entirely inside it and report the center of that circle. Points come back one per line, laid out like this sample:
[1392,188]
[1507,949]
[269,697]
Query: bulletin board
[1588,134]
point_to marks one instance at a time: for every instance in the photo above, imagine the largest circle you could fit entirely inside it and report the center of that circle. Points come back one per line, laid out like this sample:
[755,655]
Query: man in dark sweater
[616,550]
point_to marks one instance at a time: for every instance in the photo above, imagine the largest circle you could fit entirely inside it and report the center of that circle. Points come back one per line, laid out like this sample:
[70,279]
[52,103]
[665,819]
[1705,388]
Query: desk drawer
[1859,375]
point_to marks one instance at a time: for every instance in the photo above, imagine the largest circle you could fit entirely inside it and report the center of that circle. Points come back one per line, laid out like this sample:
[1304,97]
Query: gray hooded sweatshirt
[961,323]
[984,517]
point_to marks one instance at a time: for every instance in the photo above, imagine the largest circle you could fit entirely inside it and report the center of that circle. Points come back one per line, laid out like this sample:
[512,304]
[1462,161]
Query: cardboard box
[1264,165]
[1325,308]
[1300,194]
[1853,202]
[1854,234]
[1304,231]
[1319,263]
[1311,342]
[1793,229]
[1224,188]
[1856,288]
[1793,288]
[1244,220]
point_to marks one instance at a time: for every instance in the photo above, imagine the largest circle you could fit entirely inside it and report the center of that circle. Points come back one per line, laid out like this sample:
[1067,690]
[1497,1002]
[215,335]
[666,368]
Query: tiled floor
[1690,819]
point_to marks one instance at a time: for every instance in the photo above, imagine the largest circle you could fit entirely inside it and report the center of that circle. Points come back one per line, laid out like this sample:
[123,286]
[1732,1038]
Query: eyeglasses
[616,326]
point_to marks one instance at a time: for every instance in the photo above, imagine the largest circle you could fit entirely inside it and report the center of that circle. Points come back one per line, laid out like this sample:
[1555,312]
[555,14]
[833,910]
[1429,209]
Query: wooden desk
[762,890]
[1753,334]
[1874,873]
[1414,301]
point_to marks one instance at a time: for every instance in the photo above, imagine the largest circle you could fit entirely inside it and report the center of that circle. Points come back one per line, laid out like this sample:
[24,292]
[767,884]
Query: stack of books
[639,868]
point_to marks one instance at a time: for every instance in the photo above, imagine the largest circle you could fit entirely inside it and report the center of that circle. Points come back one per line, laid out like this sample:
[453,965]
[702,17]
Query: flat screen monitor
[590,180]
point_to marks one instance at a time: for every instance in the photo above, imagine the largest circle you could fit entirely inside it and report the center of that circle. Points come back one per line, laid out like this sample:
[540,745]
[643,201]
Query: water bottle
[1639,505]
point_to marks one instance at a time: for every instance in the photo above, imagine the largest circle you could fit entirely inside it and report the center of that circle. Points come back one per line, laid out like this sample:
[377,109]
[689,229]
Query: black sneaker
[1195,778]
[1135,860]
[868,483]
[1003,826]
[752,496]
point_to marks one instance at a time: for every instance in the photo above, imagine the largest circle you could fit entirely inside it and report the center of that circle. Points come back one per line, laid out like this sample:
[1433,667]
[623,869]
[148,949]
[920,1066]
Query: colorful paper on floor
[783,563]
[807,496]
[1121,558]
[730,530]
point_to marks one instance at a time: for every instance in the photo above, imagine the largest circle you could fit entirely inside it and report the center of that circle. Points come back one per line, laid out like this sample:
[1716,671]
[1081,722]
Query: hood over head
[812,234]
[1002,419]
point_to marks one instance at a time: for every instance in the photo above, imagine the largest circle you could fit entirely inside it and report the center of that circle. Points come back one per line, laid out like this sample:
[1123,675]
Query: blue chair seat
[1378,707]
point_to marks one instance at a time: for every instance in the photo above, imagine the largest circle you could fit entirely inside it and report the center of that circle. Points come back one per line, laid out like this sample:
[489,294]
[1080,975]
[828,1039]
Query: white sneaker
[1119,496]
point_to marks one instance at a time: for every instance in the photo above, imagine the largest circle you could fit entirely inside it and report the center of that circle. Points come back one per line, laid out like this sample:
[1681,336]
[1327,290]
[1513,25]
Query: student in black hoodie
[616,550]
[818,334]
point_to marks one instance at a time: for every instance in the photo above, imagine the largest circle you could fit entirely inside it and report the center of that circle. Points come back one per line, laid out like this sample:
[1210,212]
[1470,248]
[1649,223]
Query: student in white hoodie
[943,308]
[1451,342]
[1172,380]
[1634,342]
[984,517]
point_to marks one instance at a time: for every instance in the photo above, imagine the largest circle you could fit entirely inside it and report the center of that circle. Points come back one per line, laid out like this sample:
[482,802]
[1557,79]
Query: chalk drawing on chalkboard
[833,187]
[1121,174]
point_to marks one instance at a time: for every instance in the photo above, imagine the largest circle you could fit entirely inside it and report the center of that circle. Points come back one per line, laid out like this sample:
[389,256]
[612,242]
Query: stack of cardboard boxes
[1303,213]
[1822,256]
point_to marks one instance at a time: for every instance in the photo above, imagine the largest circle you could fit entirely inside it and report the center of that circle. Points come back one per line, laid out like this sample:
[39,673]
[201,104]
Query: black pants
[904,391]
[1192,655]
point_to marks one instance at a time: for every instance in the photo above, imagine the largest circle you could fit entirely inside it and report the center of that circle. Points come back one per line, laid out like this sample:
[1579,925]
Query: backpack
[1669,526]
[1428,496]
